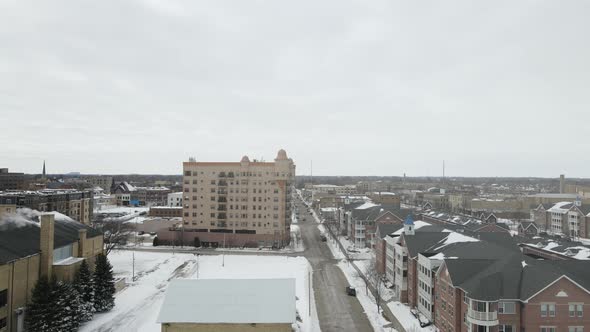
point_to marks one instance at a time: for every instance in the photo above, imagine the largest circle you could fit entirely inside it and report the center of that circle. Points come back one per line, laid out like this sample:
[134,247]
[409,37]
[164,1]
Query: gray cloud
[375,88]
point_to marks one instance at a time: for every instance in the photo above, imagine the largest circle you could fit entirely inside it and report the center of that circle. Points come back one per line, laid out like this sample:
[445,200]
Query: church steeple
[409,225]
[44,169]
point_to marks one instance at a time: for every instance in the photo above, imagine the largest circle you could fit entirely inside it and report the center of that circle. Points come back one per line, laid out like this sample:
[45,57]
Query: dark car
[350,291]
[323,238]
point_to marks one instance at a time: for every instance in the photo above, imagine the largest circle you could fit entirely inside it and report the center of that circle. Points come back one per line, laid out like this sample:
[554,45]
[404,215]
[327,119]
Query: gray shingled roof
[19,242]
[514,276]
[384,229]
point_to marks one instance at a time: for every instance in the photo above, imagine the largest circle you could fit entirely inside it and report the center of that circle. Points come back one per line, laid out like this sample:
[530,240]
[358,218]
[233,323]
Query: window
[505,328]
[571,328]
[548,329]
[576,309]
[3,323]
[506,307]
[62,253]
[3,298]
[547,309]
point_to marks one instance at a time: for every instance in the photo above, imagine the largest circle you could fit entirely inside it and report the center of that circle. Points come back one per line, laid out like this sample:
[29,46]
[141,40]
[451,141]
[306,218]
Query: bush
[156,242]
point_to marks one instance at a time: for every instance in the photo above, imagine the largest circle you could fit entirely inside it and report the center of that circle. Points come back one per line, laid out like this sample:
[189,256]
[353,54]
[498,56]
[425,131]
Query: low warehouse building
[229,305]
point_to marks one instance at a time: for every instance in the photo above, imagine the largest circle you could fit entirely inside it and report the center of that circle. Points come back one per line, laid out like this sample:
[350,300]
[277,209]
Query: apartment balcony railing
[222,199]
[221,216]
[221,174]
[222,208]
[221,224]
[222,183]
[359,227]
[221,192]
[230,174]
[483,318]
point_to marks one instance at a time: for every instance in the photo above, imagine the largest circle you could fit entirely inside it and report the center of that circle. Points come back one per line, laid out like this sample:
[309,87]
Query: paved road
[336,310]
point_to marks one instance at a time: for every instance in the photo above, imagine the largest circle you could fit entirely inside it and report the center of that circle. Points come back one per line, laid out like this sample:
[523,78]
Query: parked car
[350,291]
[323,238]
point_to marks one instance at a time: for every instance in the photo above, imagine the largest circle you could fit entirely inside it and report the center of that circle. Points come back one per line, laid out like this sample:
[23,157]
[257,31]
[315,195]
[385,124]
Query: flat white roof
[233,301]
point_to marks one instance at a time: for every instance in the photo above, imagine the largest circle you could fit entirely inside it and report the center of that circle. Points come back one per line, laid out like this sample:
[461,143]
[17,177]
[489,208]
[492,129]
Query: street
[336,310]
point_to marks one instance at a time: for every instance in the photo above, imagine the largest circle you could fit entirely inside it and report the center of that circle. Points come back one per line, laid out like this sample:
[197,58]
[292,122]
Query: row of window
[553,329]
[549,310]
[232,174]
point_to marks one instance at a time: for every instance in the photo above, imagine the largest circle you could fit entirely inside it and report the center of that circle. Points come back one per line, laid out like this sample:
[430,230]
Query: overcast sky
[495,88]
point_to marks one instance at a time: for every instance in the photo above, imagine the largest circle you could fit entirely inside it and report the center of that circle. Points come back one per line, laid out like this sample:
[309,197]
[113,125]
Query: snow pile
[404,316]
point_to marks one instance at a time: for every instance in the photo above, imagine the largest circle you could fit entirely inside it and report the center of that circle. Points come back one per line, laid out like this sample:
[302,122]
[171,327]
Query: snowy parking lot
[137,306]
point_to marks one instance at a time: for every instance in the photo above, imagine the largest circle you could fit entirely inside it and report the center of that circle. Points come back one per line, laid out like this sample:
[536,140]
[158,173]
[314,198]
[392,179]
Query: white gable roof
[233,301]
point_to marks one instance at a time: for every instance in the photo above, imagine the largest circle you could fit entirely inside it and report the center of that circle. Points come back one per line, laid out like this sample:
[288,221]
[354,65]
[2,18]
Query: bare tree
[375,280]
[116,232]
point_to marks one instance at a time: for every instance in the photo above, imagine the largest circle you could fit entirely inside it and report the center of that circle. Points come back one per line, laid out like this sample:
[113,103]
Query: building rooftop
[20,233]
[232,301]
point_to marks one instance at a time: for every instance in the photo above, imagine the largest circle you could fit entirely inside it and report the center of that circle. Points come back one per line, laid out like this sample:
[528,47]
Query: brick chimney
[82,242]
[46,243]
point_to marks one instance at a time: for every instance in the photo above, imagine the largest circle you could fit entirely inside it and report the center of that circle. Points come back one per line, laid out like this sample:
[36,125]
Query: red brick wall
[412,282]
[531,314]
[447,318]
[380,256]
[512,319]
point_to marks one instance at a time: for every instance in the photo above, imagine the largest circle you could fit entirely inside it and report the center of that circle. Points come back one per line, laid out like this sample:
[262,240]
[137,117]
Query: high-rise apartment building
[238,203]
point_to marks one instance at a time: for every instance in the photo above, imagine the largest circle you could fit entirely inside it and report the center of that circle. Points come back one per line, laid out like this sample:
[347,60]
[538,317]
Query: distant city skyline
[381,88]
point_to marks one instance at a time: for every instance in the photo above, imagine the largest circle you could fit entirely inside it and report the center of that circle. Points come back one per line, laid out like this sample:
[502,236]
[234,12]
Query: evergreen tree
[85,287]
[40,311]
[67,307]
[104,285]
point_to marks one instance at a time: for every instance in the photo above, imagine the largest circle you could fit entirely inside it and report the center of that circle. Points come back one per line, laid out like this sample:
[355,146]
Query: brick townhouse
[465,281]
[512,293]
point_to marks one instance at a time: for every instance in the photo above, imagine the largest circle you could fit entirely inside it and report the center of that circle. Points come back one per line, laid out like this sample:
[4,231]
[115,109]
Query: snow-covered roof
[329,209]
[417,225]
[560,207]
[366,206]
[455,237]
[234,301]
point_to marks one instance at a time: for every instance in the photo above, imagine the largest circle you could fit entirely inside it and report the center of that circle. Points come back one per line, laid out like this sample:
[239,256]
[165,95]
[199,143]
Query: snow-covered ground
[404,316]
[137,306]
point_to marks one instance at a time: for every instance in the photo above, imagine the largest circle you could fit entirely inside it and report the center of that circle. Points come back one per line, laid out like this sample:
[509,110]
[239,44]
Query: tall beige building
[237,203]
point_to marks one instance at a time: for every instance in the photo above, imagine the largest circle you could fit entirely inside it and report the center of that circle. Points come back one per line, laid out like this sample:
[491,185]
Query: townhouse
[571,219]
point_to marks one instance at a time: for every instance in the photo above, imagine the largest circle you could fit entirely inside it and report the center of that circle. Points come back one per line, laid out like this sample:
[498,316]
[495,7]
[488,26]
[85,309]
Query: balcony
[221,192]
[222,208]
[221,216]
[482,318]
[221,174]
[222,224]
[222,199]
[222,183]
[230,175]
